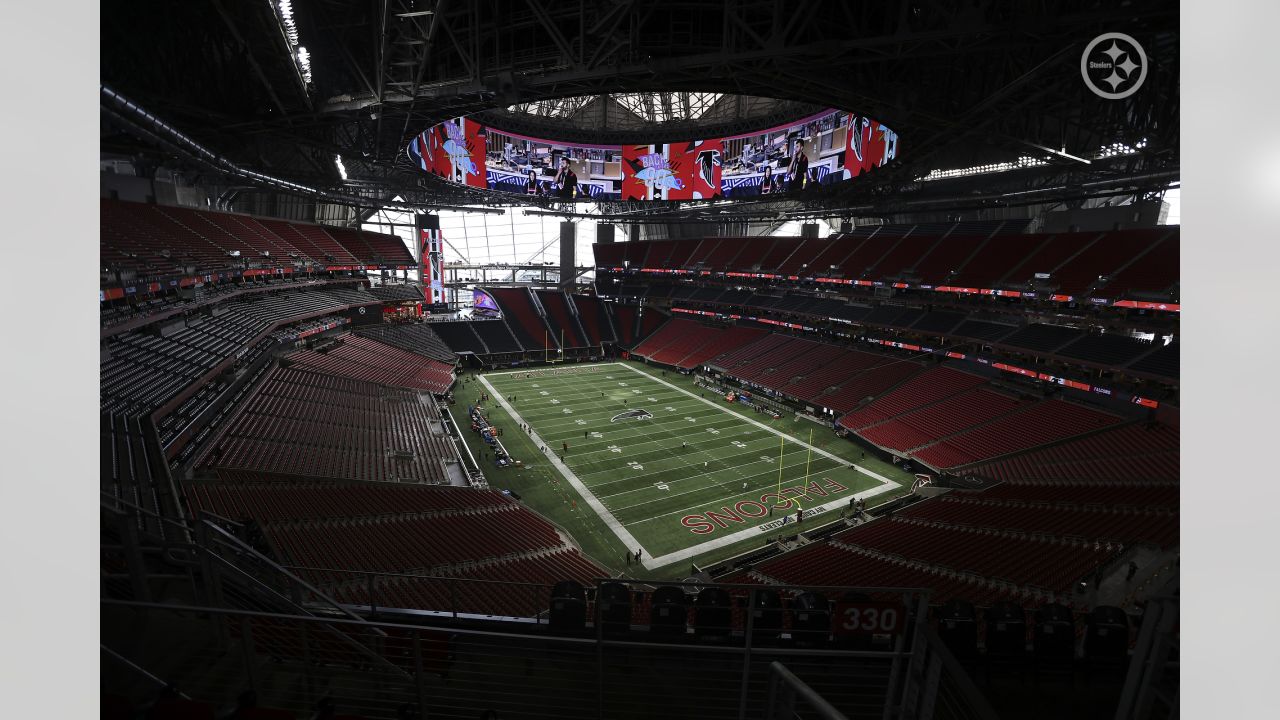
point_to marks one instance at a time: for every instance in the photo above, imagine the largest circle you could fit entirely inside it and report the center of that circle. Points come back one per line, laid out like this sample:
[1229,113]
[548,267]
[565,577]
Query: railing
[1151,688]
[447,672]
[785,688]
[612,650]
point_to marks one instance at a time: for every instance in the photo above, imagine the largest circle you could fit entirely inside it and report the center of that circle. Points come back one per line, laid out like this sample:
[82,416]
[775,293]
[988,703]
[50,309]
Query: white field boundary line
[648,561]
[757,531]
[628,540]
[766,428]
[547,371]
[730,502]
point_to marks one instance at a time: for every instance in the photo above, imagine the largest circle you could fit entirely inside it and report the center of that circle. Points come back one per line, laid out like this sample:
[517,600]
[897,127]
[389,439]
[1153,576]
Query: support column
[568,248]
[430,248]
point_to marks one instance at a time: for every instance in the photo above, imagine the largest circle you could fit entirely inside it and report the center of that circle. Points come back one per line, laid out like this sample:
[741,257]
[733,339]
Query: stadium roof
[283,87]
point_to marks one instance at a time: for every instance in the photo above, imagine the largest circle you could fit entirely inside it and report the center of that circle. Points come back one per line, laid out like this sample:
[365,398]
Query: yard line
[773,469]
[610,521]
[588,406]
[716,477]
[745,478]
[735,498]
[568,419]
[728,442]
[764,427]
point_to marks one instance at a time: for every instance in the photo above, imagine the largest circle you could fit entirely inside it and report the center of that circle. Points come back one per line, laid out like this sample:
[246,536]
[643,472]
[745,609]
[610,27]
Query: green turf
[690,458]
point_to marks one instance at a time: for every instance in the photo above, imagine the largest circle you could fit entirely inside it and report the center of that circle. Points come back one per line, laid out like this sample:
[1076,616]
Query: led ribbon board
[830,146]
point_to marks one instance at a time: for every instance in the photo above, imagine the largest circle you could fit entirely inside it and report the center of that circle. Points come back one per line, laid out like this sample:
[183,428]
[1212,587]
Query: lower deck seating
[928,387]
[1106,350]
[253,496]
[563,324]
[828,375]
[1135,453]
[363,359]
[718,343]
[145,371]
[1093,523]
[511,588]
[826,563]
[480,551]
[460,337]
[1163,362]
[687,343]
[1034,561]
[595,319]
[932,423]
[871,382]
[497,336]
[1042,338]
[418,338]
[408,543]
[628,318]
[530,329]
[1082,494]
[317,425]
[1009,542]
[1047,422]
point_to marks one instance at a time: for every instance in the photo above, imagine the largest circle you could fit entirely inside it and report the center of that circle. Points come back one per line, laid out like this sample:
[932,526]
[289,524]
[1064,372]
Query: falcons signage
[677,171]
[784,502]
[432,258]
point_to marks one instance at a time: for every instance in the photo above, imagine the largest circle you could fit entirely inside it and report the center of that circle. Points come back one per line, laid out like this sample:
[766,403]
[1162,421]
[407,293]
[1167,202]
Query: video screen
[483,304]
[831,146]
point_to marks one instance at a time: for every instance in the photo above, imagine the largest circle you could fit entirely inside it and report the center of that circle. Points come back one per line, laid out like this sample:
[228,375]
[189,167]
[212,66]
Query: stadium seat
[613,603]
[766,611]
[1106,640]
[712,614]
[568,606]
[811,619]
[668,611]
[958,629]
[1054,638]
[1006,638]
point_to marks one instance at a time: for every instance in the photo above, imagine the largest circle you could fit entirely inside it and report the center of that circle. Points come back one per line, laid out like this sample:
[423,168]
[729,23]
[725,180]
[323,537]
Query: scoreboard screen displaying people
[831,146]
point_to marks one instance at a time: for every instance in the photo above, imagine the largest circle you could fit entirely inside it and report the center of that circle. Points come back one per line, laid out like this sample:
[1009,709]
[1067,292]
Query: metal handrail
[973,698]
[464,631]
[335,605]
[779,675]
[627,581]
[139,669]
[121,501]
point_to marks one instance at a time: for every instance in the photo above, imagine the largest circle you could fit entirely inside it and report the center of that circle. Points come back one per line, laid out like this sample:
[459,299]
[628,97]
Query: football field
[676,472]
